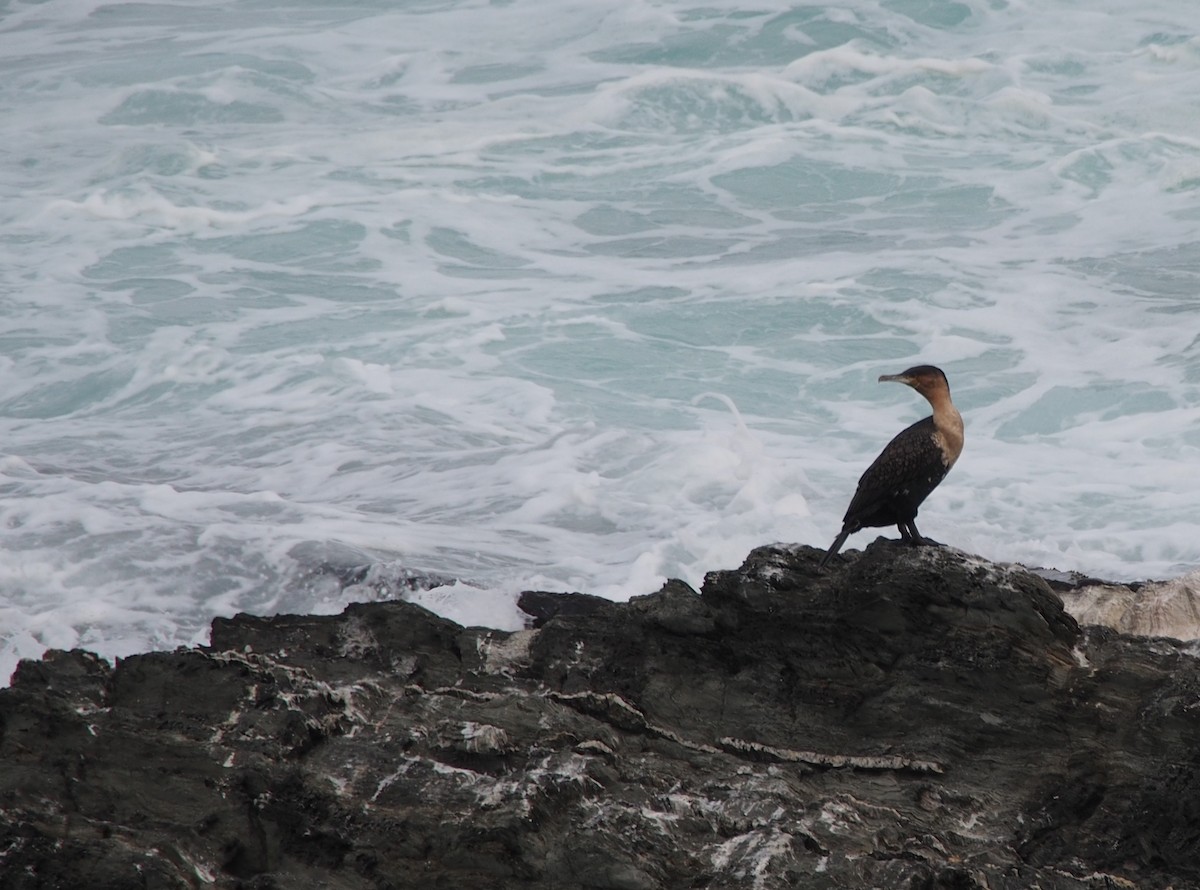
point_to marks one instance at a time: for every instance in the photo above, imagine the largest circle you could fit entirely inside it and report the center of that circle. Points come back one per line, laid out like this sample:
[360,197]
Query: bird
[910,467]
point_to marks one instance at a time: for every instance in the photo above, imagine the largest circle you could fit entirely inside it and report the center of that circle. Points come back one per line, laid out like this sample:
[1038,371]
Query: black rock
[909,718]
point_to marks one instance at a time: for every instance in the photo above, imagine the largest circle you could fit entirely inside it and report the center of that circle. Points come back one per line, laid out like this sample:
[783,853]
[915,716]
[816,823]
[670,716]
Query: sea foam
[504,300]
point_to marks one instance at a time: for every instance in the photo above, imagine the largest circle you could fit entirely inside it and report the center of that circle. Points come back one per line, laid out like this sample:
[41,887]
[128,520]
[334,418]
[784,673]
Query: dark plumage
[910,467]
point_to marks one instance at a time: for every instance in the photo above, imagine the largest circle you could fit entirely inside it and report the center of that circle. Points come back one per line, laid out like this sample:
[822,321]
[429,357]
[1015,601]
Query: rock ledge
[908,718]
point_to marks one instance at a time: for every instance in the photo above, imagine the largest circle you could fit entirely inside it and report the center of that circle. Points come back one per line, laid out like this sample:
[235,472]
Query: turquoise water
[576,295]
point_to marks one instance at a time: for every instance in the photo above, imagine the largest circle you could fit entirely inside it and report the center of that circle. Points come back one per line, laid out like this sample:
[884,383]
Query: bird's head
[925,379]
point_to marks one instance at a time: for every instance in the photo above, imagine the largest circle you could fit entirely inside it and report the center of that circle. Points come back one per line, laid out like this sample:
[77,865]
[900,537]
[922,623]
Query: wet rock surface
[908,718]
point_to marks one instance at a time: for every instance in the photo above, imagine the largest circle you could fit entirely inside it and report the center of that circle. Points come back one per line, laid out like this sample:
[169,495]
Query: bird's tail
[837,545]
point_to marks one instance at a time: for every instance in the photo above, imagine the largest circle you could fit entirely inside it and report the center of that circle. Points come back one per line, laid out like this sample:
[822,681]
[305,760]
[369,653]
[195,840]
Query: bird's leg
[915,537]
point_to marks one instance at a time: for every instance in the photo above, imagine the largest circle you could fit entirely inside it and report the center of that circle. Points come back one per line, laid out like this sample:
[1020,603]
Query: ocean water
[490,296]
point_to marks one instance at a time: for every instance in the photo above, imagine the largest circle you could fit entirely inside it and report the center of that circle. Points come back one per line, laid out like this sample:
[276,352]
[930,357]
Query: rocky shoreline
[916,718]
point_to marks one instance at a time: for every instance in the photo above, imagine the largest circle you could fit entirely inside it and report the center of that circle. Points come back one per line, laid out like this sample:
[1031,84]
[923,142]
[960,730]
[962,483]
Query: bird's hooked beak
[895,378]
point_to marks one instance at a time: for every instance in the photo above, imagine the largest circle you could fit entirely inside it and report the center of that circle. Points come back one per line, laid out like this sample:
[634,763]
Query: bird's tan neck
[949,425]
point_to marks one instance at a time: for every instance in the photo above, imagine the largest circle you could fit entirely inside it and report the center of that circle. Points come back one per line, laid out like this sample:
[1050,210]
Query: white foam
[340,281]
[158,211]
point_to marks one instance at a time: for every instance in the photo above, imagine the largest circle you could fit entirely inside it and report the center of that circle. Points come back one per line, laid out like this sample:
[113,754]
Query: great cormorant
[910,467]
